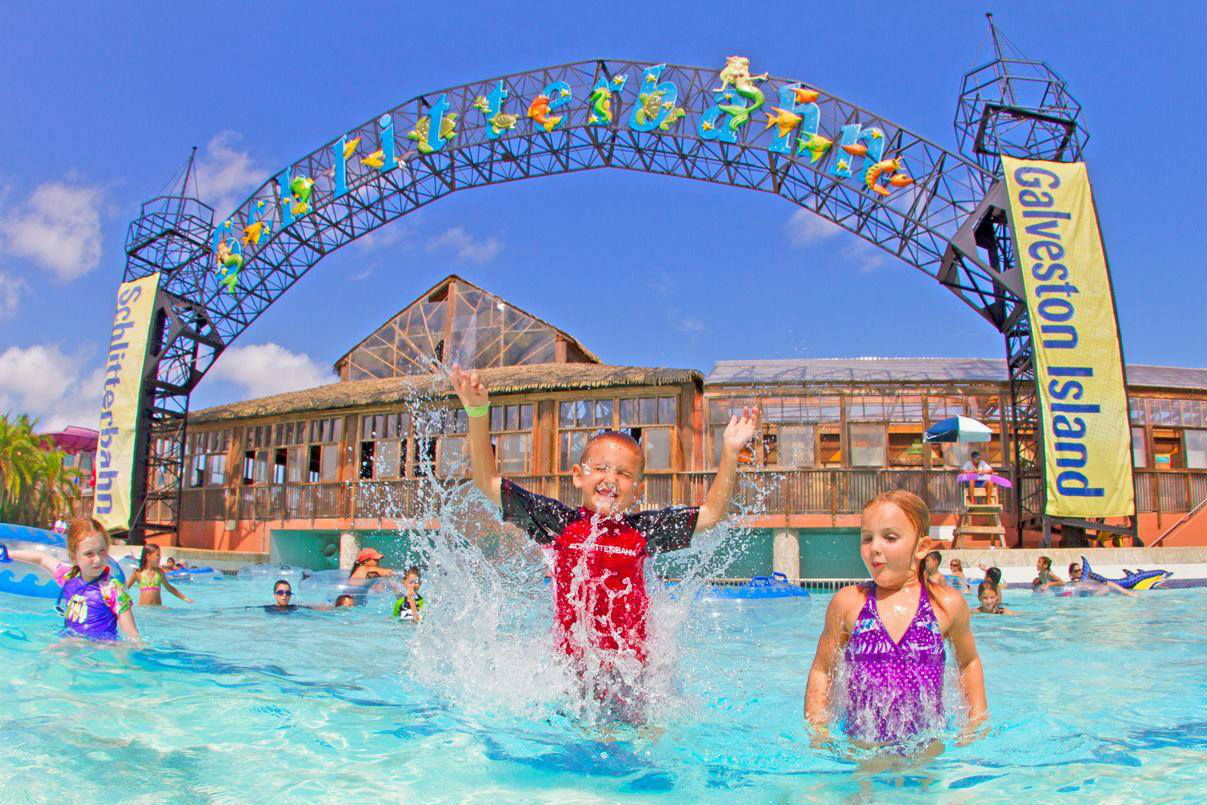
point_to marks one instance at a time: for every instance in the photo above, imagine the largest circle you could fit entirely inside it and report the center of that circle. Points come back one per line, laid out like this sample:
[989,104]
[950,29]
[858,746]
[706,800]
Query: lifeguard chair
[980,520]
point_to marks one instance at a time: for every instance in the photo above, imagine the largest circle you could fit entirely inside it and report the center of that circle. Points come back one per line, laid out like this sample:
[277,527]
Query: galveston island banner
[1078,359]
[119,401]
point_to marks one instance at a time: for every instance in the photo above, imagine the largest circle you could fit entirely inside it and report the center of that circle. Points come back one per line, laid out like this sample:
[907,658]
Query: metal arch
[929,225]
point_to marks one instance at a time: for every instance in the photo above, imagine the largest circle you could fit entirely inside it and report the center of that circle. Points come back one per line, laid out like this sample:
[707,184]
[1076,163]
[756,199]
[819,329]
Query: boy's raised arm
[738,434]
[476,401]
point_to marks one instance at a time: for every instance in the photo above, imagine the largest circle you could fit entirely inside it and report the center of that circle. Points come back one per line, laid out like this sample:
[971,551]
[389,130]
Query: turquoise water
[1092,700]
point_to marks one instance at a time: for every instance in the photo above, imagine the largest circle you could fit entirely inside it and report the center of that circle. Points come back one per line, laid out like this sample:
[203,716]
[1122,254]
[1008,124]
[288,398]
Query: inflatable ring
[19,578]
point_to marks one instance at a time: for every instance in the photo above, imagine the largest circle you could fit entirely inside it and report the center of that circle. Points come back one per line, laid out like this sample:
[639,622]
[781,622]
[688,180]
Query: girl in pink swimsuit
[889,633]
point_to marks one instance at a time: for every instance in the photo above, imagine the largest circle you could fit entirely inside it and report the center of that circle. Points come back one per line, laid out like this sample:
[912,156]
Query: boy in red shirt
[599,549]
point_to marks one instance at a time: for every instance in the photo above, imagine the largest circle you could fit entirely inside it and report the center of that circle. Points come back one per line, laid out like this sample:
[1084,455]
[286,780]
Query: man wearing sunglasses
[282,596]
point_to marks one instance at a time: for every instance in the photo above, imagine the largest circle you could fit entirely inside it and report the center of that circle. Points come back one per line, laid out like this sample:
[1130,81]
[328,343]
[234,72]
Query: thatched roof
[500,380]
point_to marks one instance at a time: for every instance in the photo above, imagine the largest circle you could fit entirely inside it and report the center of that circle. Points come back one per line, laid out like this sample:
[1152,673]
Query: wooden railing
[809,491]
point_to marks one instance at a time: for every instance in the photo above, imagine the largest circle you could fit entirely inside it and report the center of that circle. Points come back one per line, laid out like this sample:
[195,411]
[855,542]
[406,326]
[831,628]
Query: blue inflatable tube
[21,578]
[760,587]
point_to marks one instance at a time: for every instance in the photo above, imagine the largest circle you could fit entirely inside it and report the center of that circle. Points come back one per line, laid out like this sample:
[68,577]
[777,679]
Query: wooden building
[353,455]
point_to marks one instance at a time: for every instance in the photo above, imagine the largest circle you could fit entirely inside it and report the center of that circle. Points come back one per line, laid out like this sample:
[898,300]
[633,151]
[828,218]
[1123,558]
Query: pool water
[1092,700]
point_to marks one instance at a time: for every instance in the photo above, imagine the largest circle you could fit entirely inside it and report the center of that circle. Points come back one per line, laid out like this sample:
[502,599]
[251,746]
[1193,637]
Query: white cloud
[58,227]
[265,369]
[42,381]
[225,173]
[11,290]
[806,228]
[465,246]
[688,324]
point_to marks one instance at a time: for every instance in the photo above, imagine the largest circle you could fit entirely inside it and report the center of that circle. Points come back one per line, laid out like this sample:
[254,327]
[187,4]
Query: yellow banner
[124,363]
[1078,359]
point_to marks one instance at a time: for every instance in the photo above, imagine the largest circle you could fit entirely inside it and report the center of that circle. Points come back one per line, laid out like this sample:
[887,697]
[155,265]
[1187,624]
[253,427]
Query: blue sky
[101,104]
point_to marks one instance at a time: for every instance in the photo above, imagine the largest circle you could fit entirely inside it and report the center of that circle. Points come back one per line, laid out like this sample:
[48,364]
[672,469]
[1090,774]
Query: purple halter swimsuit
[894,689]
[91,608]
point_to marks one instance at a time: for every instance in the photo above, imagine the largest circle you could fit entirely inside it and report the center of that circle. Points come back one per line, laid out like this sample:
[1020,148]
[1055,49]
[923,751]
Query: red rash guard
[599,566]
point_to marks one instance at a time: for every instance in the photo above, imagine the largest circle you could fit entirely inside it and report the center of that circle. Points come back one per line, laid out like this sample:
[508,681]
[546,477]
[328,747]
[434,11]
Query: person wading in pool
[366,570]
[1044,580]
[599,548]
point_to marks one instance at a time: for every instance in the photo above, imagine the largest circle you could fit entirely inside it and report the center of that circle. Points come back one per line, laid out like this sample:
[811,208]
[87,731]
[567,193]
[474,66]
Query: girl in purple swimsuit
[890,634]
[95,606]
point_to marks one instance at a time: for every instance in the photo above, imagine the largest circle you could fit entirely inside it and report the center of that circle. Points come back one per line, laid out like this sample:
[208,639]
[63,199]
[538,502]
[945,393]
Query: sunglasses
[286,593]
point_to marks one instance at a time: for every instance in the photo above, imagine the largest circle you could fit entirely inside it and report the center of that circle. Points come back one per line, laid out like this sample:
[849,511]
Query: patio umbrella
[957,429]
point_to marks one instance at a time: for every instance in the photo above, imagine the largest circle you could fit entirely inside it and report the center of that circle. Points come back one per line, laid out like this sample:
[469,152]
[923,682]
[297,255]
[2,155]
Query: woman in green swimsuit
[150,578]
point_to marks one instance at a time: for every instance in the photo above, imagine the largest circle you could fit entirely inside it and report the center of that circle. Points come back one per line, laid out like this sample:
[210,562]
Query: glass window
[451,456]
[796,446]
[1196,449]
[867,445]
[515,448]
[565,414]
[526,416]
[1135,406]
[628,412]
[1139,449]
[666,410]
[295,471]
[657,442]
[648,412]
[329,469]
[571,447]
[387,460]
[603,413]
[718,444]
[217,464]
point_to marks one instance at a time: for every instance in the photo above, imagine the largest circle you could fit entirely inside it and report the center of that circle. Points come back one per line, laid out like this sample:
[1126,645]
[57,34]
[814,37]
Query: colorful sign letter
[1075,335]
[119,401]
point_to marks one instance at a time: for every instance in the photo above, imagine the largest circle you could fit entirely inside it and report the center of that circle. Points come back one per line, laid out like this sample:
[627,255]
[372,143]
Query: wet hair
[413,570]
[938,557]
[975,454]
[340,599]
[1074,565]
[279,582]
[147,550]
[987,586]
[918,514]
[80,528]
[619,438]
[1047,562]
[994,574]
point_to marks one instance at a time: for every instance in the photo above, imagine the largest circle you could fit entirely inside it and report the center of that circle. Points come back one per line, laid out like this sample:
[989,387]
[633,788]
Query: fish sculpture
[253,232]
[815,144]
[855,149]
[783,120]
[1132,579]
[538,112]
[350,147]
[374,160]
[802,95]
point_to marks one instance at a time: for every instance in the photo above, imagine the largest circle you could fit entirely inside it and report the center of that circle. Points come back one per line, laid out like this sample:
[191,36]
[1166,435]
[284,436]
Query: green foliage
[35,486]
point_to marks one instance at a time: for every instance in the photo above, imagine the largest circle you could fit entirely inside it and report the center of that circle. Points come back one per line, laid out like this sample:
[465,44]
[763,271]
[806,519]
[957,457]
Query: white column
[785,553]
[349,547]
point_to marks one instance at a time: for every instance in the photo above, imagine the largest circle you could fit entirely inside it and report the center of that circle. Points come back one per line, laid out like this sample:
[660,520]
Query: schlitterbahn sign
[1078,361]
[119,402]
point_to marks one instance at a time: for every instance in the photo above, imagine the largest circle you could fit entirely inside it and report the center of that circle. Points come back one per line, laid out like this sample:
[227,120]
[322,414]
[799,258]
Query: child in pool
[97,606]
[1044,578]
[961,582]
[409,604]
[1078,581]
[991,600]
[150,577]
[931,565]
[599,548]
[891,631]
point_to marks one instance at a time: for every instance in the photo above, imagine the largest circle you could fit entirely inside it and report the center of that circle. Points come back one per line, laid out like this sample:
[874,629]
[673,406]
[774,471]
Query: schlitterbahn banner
[1083,404]
[119,402]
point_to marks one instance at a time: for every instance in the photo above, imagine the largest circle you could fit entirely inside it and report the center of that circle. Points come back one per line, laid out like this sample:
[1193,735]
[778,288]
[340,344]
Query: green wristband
[477,410]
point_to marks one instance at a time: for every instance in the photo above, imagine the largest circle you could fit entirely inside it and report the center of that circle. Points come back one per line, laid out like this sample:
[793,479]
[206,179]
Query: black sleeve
[667,529]
[543,518]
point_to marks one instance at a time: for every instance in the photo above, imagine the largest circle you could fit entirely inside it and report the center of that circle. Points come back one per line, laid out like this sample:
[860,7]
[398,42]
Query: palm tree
[34,483]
